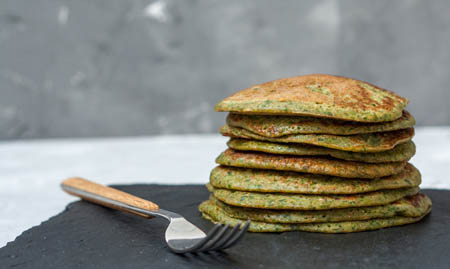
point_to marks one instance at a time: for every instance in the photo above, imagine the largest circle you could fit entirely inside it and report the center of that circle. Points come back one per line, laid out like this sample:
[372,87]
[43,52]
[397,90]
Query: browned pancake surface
[313,165]
[318,95]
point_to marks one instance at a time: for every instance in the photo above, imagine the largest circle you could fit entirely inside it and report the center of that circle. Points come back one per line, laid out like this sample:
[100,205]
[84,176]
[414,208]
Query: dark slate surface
[90,236]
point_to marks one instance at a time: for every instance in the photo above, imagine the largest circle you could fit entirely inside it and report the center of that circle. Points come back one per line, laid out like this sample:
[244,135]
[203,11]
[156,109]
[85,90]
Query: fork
[181,235]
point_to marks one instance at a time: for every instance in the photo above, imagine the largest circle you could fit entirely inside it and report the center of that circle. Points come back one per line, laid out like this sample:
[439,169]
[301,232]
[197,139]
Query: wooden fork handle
[105,196]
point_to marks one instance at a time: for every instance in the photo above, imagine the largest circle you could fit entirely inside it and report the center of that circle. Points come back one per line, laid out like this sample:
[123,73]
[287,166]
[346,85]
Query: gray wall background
[143,67]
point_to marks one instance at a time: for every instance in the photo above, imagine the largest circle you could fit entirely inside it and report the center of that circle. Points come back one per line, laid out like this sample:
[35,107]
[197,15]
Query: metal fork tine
[238,236]
[226,238]
[212,241]
[210,234]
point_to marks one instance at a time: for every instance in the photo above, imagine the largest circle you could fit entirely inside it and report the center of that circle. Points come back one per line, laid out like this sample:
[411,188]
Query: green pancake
[216,214]
[306,201]
[410,206]
[276,126]
[317,95]
[254,180]
[400,153]
[373,142]
[308,164]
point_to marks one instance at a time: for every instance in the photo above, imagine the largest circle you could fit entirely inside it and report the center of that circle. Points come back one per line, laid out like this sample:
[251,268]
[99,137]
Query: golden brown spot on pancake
[415,200]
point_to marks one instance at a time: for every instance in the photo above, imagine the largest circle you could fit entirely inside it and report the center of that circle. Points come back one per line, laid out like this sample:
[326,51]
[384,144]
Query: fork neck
[164,213]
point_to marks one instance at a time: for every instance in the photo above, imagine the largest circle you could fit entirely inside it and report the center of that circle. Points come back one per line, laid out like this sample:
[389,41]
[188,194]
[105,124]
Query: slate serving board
[90,236]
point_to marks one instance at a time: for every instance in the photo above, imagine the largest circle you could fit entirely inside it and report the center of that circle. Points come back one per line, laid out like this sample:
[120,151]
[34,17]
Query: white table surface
[30,171]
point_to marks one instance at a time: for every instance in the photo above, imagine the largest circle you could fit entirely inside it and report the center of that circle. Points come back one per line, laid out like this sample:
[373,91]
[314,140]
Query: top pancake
[276,126]
[318,95]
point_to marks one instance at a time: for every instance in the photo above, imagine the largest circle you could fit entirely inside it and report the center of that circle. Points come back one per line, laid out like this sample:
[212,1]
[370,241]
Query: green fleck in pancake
[410,206]
[214,213]
[374,142]
[276,126]
[318,95]
[306,201]
[254,180]
[400,153]
[313,165]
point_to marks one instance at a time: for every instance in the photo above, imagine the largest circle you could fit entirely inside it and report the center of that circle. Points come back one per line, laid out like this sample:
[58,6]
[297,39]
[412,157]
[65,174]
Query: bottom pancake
[214,213]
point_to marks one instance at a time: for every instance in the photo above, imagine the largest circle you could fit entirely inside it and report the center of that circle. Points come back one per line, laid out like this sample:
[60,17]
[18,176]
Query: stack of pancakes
[316,153]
